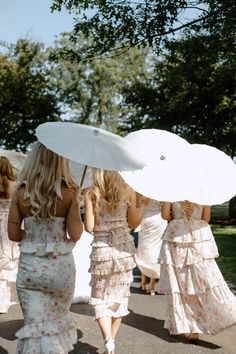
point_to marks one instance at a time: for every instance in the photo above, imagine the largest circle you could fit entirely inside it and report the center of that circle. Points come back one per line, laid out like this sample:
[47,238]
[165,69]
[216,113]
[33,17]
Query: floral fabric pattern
[199,300]
[45,285]
[112,262]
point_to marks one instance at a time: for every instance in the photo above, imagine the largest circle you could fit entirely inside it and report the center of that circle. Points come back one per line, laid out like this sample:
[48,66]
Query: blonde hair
[6,175]
[107,185]
[42,174]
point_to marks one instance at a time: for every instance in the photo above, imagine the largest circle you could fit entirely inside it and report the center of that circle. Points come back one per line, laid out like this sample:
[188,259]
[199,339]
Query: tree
[25,97]
[117,23]
[91,91]
[192,93]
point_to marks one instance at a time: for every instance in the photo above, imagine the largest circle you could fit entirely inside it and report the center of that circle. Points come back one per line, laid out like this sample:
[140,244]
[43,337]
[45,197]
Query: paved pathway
[141,332]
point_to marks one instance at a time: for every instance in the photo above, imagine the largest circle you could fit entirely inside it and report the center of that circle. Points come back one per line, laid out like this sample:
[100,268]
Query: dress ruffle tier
[112,263]
[48,337]
[44,249]
[199,298]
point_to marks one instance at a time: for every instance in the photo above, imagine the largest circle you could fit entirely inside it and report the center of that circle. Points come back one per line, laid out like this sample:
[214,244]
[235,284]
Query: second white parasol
[164,177]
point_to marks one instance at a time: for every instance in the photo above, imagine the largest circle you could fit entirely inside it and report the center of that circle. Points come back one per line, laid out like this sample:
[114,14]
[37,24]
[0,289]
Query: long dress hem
[199,300]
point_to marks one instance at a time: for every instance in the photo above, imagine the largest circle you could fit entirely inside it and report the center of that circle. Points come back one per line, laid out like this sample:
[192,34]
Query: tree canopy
[124,24]
[91,91]
[191,92]
[25,97]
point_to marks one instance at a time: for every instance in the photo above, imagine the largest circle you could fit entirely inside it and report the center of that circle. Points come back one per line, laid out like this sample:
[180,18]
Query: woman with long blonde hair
[46,200]
[9,252]
[110,213]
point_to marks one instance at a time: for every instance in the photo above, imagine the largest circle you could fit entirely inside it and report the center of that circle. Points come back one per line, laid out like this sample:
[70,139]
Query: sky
[32,19]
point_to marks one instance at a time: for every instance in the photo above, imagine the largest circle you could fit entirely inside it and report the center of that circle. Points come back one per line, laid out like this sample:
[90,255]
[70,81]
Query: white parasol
[167,155]
[90,146]
[213,175]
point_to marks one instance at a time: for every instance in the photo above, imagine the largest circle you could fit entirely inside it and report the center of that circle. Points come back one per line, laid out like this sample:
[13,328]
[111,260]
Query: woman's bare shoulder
[67,193]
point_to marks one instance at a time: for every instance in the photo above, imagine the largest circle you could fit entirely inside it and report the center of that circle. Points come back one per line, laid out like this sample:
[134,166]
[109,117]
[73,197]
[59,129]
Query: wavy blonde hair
[107,185]
[6,175]
[42,174]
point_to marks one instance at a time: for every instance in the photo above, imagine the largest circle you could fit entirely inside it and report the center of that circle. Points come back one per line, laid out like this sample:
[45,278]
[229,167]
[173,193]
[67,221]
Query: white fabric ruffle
[185,254]
[43,249]
[209,313]
[51,337]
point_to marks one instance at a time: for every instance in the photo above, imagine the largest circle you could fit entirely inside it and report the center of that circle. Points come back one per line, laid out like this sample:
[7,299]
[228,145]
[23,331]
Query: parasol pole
[83,176]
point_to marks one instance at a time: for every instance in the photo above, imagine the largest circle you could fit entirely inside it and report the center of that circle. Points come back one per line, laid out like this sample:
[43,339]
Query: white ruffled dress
[45,285]
[112,263]
[9,255]
[199,300]
[150,234]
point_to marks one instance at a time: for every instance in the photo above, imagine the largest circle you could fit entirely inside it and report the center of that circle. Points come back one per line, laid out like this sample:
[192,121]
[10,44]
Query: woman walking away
[110,213]
[45,199]
[150,232]
[199,300]
[9,251]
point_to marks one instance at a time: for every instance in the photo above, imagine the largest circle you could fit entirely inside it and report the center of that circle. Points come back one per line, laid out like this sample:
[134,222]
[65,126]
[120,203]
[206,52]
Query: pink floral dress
[199,300]
[112,263]
[45,285]
[9,254]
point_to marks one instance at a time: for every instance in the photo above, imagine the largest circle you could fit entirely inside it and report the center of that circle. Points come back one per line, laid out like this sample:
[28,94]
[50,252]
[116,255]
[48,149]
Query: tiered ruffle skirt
[199,300]
[112,263]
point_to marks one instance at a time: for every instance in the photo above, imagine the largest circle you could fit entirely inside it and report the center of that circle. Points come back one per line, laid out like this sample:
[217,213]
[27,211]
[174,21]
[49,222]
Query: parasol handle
[83,176]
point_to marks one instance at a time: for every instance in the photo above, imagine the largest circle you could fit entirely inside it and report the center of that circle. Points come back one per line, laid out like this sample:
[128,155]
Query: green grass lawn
[225,237]
[220,212]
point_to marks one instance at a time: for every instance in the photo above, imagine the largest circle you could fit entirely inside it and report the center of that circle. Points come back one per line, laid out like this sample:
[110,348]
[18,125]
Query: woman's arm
[89,214]
[74,223]
[206,213]
[135,214]
[15,232]
[166,213]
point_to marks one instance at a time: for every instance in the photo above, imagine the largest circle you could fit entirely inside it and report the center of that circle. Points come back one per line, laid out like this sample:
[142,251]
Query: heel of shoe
[192,337]
[109,345]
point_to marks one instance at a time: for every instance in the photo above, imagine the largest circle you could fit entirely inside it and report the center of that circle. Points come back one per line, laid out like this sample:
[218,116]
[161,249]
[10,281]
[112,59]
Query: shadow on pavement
[9,328]
[82,309]
[208,345]
[155,327]
[83,348]
[199,343]
[3,351]
[147,324]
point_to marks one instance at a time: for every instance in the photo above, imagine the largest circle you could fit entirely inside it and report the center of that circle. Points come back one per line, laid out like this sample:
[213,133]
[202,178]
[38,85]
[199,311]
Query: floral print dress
[9,255]
[199,300]
[45,285]
[112,263]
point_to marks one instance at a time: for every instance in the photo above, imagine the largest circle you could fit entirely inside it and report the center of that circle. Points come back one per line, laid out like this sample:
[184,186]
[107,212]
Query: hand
[87,196]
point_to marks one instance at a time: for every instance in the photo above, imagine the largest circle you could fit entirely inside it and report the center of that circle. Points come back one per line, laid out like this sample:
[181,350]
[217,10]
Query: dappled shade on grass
[225,237]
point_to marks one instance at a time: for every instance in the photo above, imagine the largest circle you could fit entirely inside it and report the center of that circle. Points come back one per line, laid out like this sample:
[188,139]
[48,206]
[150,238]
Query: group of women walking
[181,254]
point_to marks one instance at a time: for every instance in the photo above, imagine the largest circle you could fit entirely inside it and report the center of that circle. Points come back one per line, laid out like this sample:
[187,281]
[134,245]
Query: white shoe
[109,345]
